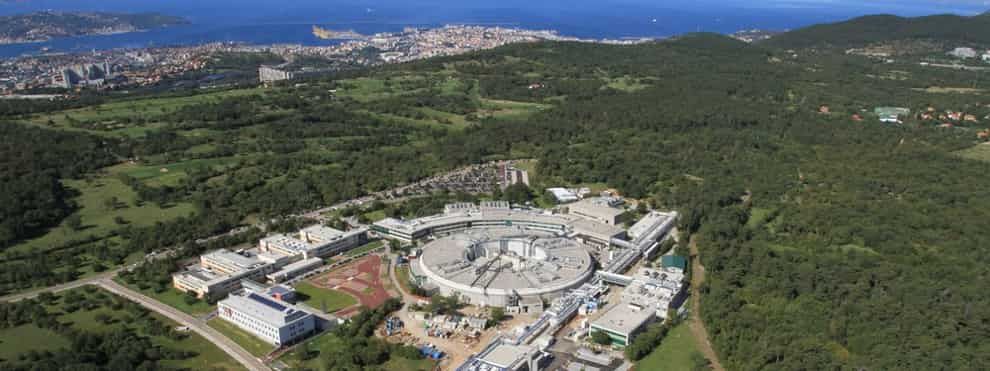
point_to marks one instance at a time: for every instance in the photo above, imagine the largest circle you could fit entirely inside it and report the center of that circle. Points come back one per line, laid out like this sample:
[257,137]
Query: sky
[217,10]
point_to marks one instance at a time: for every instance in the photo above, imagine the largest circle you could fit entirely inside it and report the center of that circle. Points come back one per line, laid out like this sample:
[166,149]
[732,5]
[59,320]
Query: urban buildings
[606,210]
[563,195]
[623,322]
[964,53]
[277,258]
[268,74]
[220,272]
[274,321]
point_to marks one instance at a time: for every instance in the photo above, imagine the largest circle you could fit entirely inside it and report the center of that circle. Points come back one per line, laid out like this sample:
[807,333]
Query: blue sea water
[290,21]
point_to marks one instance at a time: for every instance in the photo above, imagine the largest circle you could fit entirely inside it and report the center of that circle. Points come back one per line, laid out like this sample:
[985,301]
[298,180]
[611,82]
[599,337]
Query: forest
[862,31]
[829,242]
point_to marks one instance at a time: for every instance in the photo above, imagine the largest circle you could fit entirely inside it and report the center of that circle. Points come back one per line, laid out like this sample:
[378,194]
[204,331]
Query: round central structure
[505,266]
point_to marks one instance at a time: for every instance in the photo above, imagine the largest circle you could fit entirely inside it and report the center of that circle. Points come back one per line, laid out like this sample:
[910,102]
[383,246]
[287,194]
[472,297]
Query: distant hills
[43,26]
[862,31]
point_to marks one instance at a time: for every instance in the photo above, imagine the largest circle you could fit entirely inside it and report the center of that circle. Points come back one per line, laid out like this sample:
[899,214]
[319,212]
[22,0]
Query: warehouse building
[276,322]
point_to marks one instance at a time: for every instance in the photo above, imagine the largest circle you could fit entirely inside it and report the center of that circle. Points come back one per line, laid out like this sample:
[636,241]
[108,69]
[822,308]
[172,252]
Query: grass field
[375,216]
[365,248]
[979,152]
[626,84]
[503,109]
[20,339]
[98,217]
[249,342]
[402,274]
[24,338]
[403,364]
[674,353]
[169,174]
[210,357]
[175,299]
[147,107]
[316,297]
[758,216]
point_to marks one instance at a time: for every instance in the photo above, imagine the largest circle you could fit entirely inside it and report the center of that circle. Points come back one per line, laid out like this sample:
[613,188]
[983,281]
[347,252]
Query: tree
[497,314]
[74,222]
[111,203]
[518,193]
[600,337]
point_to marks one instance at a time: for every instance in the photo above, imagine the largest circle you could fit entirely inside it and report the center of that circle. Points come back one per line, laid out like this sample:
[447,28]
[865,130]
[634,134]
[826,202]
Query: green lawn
[365,248]
[209,356]
[176,299]
[23,338]
[758,216]
[20,339]
[979,152]
[170,174]
[403,364]
[113,113]
[249,342]
[316,297]
[626,84]
[503,109]
[375,216]
[98,217]
[674,353]
[402,274]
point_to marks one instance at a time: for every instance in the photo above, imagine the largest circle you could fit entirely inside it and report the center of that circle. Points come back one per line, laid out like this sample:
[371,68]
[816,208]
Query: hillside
[42,26]
[862,31]
[828,242]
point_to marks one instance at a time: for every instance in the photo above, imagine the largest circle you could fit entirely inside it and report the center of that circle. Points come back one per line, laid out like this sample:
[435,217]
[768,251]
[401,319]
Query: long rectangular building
[315,242]
[221,271]
[276,322]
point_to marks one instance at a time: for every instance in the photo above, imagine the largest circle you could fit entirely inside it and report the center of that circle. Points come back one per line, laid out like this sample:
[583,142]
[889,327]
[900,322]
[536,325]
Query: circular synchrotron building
[505,266]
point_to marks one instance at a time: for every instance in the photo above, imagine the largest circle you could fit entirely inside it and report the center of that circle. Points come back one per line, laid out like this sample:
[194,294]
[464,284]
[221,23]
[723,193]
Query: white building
[221,271]
[295,269]
[563,195]
[964,53]
[271,74]
[315,242]
[606,210]
[623,322]
[271,320]
[659,289]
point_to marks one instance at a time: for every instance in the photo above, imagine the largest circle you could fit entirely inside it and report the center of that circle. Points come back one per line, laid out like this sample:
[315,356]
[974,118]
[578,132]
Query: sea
[265,22]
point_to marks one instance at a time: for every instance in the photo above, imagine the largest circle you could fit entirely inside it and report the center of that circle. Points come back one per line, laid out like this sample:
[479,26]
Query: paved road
[62,287]
[197,325]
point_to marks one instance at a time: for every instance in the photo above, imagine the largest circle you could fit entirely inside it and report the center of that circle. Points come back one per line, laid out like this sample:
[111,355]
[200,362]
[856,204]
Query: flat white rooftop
[624,319]
[268,310]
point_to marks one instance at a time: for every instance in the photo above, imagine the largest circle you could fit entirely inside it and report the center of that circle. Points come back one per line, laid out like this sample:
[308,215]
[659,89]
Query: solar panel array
[270,303]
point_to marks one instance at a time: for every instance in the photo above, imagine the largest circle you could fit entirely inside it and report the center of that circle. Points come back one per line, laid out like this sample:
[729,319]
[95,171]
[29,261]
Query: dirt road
[695,323]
